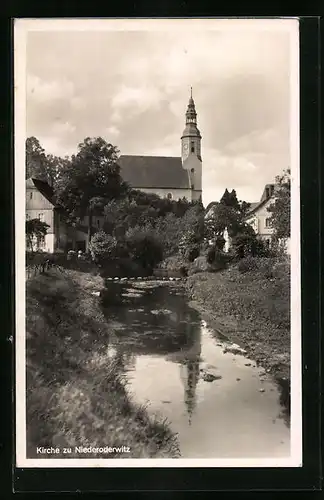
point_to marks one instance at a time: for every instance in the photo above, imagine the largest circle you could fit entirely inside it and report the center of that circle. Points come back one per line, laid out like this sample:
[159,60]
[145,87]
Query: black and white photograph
[157,229]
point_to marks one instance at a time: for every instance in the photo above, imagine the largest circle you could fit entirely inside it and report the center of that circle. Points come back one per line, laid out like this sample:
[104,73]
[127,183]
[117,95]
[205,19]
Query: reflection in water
[160,343]
[190,377]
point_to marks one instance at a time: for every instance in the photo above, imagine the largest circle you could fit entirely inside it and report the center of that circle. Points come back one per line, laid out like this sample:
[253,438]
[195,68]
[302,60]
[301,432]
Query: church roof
[154,172]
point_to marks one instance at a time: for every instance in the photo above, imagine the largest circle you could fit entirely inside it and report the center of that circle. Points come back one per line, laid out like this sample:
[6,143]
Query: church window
[169,196]
[192,147]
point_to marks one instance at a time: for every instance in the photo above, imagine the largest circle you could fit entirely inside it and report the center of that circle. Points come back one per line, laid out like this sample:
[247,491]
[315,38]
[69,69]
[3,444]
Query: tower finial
[191,92]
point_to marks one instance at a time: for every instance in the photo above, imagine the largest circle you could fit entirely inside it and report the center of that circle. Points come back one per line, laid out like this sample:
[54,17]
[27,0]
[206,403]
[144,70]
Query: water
[221,404]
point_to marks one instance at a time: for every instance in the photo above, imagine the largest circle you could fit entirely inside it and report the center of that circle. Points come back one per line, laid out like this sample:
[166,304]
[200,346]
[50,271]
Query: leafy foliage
[42,166]
[36,231]
[245,244]
[105,248]
[144,247]
[91,181]
[222,217]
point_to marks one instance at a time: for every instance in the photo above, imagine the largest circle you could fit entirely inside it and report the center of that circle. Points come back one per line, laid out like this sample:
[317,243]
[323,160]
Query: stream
[217,400]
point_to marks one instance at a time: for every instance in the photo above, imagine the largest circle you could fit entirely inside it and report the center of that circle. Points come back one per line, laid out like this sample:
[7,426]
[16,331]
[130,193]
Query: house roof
[43,187]
[267,194]
[154,172]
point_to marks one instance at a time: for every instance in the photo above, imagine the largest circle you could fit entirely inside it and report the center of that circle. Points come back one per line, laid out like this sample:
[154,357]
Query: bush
[192,253]
[105,248]
[244,245]
[144,247]
[216,257]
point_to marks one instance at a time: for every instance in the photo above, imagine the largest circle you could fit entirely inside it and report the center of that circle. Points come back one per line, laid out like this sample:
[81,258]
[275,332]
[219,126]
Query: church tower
[191,150]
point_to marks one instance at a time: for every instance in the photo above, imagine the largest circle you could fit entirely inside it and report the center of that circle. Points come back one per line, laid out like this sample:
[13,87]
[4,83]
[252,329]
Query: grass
[252,307]
[76,390]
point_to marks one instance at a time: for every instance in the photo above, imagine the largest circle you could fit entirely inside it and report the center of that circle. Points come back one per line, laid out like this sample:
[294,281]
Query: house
[258,216]
[174,177]
[61,236]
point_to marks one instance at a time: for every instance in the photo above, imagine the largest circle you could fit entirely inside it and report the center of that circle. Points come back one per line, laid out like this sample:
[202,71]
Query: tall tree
[54,167]
[40,165]
[229,199]
[280,208]
[91,180]
[35,159]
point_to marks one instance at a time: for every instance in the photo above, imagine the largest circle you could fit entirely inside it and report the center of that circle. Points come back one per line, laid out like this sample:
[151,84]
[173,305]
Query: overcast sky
[132,88]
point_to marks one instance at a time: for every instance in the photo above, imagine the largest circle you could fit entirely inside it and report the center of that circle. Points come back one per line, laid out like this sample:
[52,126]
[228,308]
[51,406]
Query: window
[31,195]
[98,222]
[192,147]
[268,222]
[192,170]
[169,196]
[27,217]
[41,217]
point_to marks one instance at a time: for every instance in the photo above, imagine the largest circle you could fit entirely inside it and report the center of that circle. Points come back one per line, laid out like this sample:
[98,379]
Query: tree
[35,159]
[91,180]
[54,167]
[144,247]
[40,165]
[280,208]
[229,199]
[36,231]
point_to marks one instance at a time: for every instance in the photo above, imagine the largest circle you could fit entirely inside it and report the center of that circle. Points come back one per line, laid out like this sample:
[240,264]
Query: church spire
[191,115]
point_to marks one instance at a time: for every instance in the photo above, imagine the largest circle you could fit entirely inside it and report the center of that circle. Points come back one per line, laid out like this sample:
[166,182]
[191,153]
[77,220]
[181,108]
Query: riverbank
[76,395]
[250,308]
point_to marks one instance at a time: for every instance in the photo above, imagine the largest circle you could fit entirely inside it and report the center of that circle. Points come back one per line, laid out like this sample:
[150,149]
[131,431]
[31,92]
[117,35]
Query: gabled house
[258,216]
[61,236]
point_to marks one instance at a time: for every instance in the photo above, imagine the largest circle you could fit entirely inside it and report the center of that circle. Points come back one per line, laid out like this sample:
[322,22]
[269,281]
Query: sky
[131,87]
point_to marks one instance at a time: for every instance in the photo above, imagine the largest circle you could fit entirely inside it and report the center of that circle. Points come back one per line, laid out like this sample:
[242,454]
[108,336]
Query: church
[173,177]
[167,176]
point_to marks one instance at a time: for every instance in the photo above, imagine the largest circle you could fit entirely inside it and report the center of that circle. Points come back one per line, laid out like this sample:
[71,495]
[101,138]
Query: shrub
[216,257]
[244,245]
[220,242]
[192,253]
[144,247]
[104,248]
[220,260]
